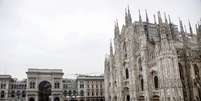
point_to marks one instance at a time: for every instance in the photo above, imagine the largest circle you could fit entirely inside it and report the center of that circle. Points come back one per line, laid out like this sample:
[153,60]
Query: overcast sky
[73,35]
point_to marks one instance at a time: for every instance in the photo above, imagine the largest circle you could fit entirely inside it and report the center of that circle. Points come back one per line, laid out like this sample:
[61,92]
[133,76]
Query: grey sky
[71,34]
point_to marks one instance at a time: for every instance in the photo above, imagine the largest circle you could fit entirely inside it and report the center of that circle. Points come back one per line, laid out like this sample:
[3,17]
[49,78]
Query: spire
[196,27]
[154,19]
[116,29]
[185,29]
[165,18]
[147,19]
[190,28]
[140,18]
[129,14]
[159,18]
[129,17]
[111,48]
[169,19]
[181,26]
[126,17]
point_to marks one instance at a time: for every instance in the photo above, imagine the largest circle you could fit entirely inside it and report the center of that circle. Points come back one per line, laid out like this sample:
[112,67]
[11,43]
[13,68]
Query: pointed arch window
[140,64]
[196,70]
[125,50]
[127,73]
[142,84]
[156,82]
[181,72]
[115,98]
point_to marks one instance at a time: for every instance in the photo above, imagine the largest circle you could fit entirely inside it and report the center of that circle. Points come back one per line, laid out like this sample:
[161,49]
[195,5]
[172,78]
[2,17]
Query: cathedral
[157,61]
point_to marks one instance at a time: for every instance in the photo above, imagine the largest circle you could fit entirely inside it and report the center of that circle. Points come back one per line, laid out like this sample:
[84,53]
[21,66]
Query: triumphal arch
[44,84]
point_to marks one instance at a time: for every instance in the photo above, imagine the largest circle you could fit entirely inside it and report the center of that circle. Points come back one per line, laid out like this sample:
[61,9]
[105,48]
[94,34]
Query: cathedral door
[56,99]
[155,98]
[31,99]
[141,98]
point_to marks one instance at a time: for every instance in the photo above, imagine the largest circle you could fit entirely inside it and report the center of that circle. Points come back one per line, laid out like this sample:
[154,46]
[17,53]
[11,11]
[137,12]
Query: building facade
[49,85]
[11,89]
[70,89]
[153,61]
[91,88]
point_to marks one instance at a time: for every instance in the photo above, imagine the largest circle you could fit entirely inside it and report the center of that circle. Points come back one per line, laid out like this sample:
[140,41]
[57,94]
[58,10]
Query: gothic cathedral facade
[153,61]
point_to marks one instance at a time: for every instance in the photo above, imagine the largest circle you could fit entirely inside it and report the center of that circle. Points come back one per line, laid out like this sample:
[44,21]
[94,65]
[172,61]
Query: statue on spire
[169,19]
[154,19]
[140,18]
[111,49]
[129,17]
[147,18]
[116,29]
[190,28]
[165,18]
[181,26]
[159,18]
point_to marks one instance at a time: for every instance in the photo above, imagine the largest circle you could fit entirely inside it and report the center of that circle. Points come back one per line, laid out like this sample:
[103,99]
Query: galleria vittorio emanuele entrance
[44,91]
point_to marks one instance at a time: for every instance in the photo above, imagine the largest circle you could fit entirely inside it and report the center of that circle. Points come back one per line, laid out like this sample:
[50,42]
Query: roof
[5,76]
[34,70]
[87,77]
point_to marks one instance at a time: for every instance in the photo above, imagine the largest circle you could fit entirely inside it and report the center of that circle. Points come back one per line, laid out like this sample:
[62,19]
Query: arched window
[74,92]
[32,84]
[81,93]
[56,85]
[127,73]
[13,94]
[70,92]
[128,98]
[156,82]
[2,94]
[142,84]
[23,94]
[31,99]
[56,99]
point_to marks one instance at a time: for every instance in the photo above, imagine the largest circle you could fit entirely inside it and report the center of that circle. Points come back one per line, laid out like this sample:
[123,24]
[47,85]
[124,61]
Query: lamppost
[18,95]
